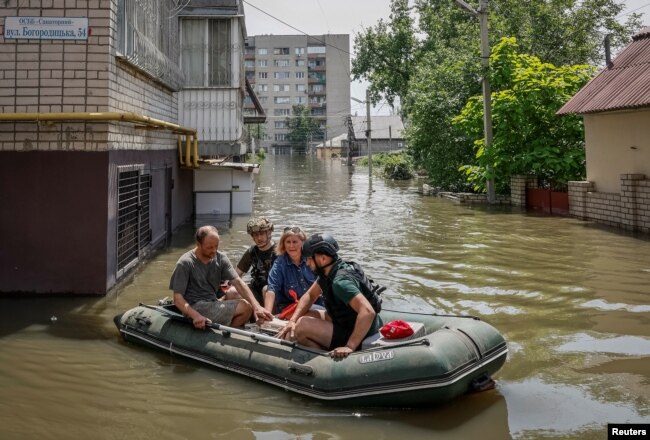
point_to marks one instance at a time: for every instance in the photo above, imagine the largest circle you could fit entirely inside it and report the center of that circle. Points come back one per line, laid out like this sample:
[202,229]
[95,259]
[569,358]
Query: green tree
[435,74]
[385,54]
[302,127]
[528,137]
[256,131]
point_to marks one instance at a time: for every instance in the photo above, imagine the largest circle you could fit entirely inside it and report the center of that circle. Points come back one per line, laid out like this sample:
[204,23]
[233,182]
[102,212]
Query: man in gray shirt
[197,279]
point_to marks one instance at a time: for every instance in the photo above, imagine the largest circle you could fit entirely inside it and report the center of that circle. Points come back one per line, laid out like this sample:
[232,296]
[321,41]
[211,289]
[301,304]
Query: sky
[316,17]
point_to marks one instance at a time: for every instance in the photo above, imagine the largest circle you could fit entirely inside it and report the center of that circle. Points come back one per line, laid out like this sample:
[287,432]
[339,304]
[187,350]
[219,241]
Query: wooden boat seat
[377,340]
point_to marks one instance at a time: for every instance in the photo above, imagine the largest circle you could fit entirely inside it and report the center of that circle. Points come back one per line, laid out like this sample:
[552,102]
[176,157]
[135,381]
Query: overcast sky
[341,17]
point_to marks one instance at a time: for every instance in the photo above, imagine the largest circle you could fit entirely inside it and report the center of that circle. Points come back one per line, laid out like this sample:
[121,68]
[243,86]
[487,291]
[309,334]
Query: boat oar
[226,331]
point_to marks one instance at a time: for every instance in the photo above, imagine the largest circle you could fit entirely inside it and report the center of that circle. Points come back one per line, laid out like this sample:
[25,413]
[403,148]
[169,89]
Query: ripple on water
[535,406]
[627,345]
[600,304]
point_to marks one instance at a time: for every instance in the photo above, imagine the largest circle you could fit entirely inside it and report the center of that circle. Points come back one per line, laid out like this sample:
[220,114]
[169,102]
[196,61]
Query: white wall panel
[215,113]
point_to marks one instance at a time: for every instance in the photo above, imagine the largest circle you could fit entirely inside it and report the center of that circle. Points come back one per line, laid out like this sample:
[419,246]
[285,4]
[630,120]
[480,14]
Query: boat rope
[476,318]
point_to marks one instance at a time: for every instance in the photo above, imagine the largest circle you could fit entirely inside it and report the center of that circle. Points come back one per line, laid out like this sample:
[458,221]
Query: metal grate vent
[133,232]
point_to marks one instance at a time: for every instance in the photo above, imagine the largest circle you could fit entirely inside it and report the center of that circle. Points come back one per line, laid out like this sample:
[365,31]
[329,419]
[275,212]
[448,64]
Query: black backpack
[369,288]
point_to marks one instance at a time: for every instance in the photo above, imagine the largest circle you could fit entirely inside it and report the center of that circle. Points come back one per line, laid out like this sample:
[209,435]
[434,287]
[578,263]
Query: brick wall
[629,209]
[518,186]
[55,76]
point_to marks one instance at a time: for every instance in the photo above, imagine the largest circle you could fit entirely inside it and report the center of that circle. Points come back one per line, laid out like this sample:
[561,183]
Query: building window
[262,51]
[281,112]
[133,231]
[281,75]
[282,100]
[301,87]
[281,136]
[262,99]
[249,51]
[281,63]
[281,51]
[264,63]
[262,75]
[249,64]
[280,124]
[300,75]
[316,49]
[262,87]
[299,51]
[300,63]
[300,99]
[317,88]
[280,87]
[206,52]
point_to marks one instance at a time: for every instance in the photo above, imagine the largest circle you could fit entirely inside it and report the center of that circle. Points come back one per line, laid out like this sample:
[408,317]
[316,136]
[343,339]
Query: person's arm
[274,284]
[244,264]
[198,320]
[365,317]
[261,314]
[178,284]
[269,300]
[304,304]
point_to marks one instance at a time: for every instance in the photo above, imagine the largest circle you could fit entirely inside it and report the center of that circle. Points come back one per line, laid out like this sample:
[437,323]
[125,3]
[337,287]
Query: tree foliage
[302,127]
[427,55]
[385,54]
[528,137]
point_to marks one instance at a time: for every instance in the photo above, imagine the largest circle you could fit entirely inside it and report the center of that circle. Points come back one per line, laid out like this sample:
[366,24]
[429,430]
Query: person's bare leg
[242,314]
[314,332]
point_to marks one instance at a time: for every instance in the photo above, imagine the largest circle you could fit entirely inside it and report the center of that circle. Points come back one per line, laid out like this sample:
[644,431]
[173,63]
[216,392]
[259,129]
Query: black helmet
[320,244]
[257,224]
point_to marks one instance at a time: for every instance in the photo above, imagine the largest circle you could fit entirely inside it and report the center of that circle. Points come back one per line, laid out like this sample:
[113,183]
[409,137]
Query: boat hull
[454,354]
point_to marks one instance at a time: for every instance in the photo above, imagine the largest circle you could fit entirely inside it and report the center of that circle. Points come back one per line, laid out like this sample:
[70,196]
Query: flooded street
[571,299]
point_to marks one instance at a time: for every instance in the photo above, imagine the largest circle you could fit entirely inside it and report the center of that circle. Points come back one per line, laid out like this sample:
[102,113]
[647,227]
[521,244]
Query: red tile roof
[623,85]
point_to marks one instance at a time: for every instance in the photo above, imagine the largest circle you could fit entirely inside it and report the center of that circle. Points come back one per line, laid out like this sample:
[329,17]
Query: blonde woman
[290,277]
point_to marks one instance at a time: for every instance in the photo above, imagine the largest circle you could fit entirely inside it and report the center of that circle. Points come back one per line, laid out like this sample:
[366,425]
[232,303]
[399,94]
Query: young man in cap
[351,304]
[197,279]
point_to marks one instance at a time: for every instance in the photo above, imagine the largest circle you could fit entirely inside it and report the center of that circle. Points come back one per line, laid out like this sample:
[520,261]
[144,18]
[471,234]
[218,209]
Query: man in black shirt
[258,258]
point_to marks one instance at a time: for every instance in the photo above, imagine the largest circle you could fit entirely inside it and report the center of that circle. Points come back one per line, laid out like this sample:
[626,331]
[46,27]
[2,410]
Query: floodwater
[572,300]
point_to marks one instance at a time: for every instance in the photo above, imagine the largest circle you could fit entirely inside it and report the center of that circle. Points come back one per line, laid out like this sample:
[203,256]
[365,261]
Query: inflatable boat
[445,357]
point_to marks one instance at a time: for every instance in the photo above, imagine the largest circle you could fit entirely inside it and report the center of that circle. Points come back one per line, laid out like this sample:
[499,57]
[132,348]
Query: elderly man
[350,300]
[197,279]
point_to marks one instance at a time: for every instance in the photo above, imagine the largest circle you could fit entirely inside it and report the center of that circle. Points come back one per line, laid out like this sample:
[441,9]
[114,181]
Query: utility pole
[369,133]
[482,15]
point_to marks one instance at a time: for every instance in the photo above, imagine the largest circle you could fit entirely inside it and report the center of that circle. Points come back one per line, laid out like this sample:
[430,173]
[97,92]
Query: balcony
[322,92]
[320,68]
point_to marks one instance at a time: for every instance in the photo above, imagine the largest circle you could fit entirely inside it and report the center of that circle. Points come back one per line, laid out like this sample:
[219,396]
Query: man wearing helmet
[259,257]
[352,306]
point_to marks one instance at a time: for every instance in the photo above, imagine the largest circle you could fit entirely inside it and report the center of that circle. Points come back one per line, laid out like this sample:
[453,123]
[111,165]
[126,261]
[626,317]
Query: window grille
[133,230]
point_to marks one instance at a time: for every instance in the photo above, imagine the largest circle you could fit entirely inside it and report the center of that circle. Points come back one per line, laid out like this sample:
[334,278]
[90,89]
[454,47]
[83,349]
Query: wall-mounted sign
[46,28]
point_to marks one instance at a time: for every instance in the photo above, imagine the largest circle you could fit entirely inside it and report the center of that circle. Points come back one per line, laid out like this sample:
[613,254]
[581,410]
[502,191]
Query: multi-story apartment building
[289,70]
[111,113]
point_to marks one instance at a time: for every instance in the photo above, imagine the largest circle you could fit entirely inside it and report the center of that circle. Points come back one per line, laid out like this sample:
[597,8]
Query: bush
[391,166]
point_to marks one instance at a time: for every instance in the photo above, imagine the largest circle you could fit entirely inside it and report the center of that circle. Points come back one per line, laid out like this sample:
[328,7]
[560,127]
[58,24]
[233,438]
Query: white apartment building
[288,70]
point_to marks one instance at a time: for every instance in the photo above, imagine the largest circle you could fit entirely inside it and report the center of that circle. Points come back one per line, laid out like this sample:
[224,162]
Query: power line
[633,10]
[295,28]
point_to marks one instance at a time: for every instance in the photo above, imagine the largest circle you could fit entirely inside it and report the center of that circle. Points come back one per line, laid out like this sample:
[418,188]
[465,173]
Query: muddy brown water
[572,300]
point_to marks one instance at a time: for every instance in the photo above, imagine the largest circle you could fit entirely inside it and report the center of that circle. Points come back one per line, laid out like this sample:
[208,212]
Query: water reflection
[571,300]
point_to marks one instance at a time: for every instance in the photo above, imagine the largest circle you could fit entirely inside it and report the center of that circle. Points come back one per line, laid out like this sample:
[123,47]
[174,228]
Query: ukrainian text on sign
[46,28]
